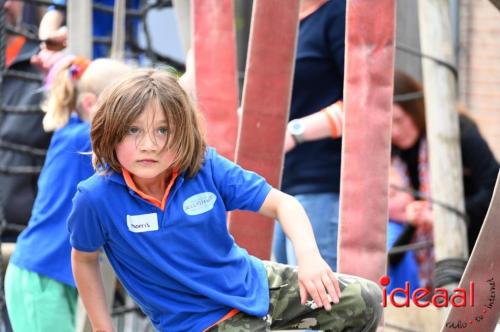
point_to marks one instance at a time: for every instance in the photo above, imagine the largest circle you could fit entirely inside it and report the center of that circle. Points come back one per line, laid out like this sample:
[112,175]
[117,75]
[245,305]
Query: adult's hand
[45,59]
[420,214]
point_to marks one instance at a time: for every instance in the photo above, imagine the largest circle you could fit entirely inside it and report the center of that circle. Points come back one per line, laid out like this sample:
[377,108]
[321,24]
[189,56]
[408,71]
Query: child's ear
[88,102]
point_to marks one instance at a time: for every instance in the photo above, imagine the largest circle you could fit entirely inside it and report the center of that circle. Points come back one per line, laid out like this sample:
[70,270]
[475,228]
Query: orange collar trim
[308,11]
[226,317]
[131,184]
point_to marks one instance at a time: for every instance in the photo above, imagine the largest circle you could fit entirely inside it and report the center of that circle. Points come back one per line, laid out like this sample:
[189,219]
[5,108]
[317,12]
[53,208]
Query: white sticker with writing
[199,203]
[142,223]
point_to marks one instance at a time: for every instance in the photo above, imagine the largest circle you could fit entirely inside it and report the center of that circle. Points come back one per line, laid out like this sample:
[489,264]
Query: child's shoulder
[76,134]
[214,161]
[101,184]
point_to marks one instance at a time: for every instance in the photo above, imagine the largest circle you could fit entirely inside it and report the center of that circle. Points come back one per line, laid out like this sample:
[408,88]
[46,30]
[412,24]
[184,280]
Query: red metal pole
[215,71]
[266,102]
[369,65]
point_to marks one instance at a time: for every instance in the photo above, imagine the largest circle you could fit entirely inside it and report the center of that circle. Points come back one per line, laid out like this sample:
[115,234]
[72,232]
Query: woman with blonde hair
[39,285]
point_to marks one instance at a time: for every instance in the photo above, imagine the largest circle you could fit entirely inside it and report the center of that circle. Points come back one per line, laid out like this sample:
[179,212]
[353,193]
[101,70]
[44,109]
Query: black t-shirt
[314,167]
[480,170]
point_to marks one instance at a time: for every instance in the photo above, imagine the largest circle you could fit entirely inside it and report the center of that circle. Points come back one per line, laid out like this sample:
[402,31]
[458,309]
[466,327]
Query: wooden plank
[450,240]
[483,270]
[366,141]
[450,236]
[118,38]
[266,102]
[182,9]
[79,21]
[215,72]
[79,17]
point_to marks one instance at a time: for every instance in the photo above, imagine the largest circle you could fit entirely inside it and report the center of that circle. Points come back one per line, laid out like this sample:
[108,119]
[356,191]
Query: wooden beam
[79,17]
[443,135]
[118,39]
[182,9]
[483,271]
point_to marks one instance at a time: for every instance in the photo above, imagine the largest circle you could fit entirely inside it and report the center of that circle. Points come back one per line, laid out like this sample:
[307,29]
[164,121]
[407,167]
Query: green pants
[359,309]
[39,304]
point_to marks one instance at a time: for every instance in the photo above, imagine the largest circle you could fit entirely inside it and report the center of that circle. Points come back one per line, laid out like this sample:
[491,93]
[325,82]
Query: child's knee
[364,298]
[372,298]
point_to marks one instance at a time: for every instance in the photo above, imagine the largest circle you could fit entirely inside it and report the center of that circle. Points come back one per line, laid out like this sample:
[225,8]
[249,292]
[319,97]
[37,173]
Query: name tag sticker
[199,203]
[142,223]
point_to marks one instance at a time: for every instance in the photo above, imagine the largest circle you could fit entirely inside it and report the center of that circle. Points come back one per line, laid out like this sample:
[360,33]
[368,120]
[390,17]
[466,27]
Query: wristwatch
[296,128]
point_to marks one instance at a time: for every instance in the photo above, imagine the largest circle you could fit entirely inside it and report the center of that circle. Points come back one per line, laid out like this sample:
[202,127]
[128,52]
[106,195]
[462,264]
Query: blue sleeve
[240,189]
[56,2]
[84,150]
[86,233]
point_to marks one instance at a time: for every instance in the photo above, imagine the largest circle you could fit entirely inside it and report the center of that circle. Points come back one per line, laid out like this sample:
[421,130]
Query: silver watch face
[296,128]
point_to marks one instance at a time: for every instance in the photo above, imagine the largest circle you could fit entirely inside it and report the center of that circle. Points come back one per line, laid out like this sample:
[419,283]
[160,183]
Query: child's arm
[89,282]
[315,276]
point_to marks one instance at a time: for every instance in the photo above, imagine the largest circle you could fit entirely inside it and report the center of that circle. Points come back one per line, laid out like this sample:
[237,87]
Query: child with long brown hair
[157,206]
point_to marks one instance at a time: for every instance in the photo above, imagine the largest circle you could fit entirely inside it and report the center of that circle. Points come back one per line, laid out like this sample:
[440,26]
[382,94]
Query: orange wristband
[334,116]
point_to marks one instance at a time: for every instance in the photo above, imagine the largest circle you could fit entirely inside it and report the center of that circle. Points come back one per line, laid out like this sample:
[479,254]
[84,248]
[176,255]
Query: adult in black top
[312,162]
[479,165]
[23,142]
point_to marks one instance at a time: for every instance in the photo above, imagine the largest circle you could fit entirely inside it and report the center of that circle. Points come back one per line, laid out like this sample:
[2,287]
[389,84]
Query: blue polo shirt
[180,265]
[43,247]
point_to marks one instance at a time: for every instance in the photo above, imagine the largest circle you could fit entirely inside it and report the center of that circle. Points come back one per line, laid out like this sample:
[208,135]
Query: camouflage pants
[359,309]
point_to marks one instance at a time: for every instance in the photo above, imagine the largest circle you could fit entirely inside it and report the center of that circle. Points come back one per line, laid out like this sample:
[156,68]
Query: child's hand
[318,280]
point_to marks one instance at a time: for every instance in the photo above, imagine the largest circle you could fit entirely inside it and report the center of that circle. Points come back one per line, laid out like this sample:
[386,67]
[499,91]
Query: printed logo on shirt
[199,203]
[142,223]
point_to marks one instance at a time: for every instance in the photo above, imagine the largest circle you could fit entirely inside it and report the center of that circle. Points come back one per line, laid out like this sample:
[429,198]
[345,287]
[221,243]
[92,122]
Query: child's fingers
[330,287]
[336,284]
[303,293]
[313,291]
[323,295]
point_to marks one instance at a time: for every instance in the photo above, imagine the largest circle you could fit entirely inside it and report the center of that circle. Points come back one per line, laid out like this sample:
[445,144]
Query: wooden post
[182,10]
[79,17]
[118,41]
[481,273]
[450,240]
